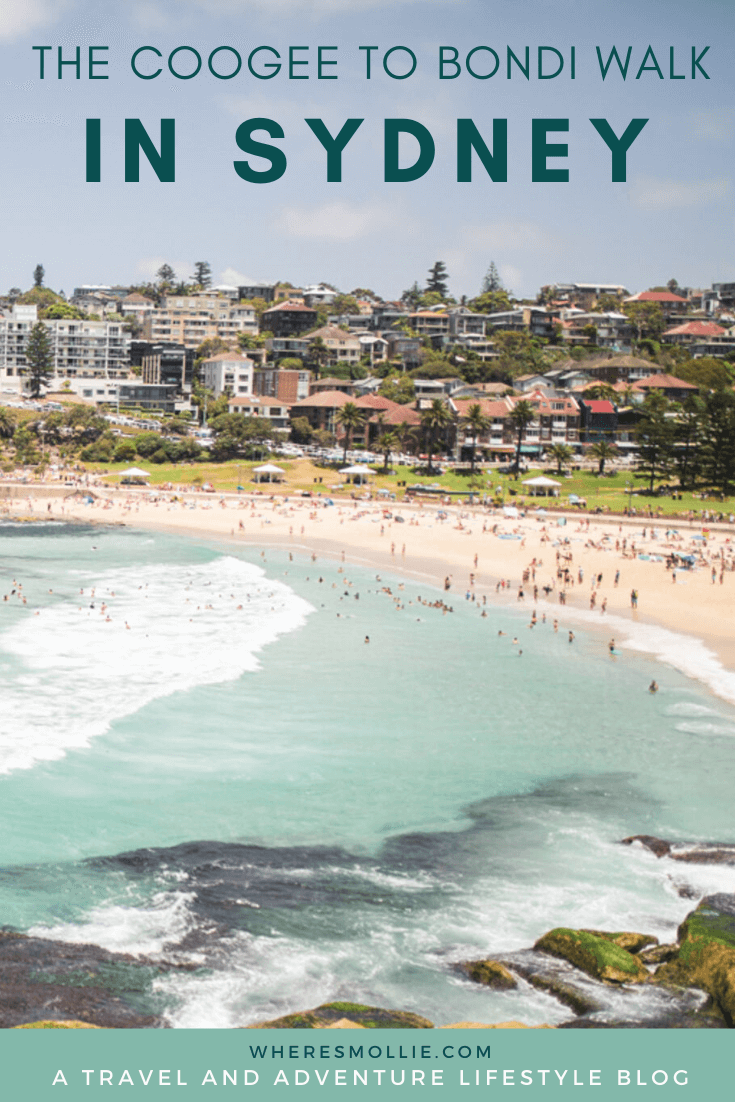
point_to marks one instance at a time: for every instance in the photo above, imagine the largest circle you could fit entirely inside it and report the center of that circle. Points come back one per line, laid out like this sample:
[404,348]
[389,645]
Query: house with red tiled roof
[676,389]
[701,338]
[670,303]
[320,410]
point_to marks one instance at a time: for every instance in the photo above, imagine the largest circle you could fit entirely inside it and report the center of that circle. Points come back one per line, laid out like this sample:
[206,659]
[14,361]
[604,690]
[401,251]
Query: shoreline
[474,548]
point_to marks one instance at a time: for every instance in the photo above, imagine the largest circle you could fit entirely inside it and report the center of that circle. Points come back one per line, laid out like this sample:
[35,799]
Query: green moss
[56,1025]
[631,942]
[595,955]
[347,1008]
[491,973]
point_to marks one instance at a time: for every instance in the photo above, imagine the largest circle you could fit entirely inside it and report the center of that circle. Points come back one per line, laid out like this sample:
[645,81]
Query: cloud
[233,278]
[502,236]
[649,193]
[340,220]
[18,18]
[715,125]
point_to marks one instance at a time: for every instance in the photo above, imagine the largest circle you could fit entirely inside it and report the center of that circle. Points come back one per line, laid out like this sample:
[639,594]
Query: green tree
[146,443]
[435,421]
[437,280]
[349,418]
[398,388]
[39,274]
[301,430]
[317,355]
[39,358]
[602,392]
[706,372]
[655,433]
[477,422]
[492,281]
[719,446]
[7,423]
[691,435]
[520,418]
[345,304]
[202,273]
[491,302]
[412,297]
[60,310]
[166,275]
[602,450]
[124,451]
[647,319]
[561,454]
[387,443]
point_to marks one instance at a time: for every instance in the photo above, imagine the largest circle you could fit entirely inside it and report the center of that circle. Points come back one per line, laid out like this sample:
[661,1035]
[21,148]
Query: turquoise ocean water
[202,760]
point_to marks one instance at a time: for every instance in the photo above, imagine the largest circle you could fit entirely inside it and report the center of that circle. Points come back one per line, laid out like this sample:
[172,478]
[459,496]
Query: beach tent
[134,474]
[266,471]
[357,472]
[542,486]
[510,511]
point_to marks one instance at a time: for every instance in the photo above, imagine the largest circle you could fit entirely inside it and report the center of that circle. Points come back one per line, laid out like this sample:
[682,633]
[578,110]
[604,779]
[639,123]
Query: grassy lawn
[608,492]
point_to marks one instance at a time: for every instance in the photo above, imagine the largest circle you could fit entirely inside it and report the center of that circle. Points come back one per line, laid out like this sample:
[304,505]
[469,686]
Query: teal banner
[465,1063]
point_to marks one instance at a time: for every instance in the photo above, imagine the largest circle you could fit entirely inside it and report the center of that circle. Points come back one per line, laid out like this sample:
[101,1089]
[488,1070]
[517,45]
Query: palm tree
[350,417]
[561,453]
[477,422]
[601,392]
[7,423]
[602,451]
[435,419]
[388,442]
[520,418]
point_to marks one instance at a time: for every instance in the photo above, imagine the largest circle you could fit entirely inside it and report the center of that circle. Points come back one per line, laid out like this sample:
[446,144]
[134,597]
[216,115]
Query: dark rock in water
[632,943]
[52,981]
[706,957]
[659,954]
[694,853]
[597,956]
[656,845]
[369,1017]
[566,993]
[491,973]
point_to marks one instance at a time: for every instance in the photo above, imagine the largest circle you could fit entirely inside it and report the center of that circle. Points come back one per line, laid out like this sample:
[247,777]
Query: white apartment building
[81,348]
[228,373]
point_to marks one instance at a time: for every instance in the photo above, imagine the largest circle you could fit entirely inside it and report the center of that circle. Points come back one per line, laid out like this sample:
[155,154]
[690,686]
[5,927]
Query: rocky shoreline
[607,979]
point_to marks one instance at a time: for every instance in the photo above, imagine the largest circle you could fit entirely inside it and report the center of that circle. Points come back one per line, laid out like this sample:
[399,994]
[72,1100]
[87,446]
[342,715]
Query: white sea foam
[144,930]
[170,628]
[685,653]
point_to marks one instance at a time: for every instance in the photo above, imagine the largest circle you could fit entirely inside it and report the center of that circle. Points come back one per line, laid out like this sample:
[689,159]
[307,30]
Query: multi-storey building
[94,349]
[191,319]
[228,373]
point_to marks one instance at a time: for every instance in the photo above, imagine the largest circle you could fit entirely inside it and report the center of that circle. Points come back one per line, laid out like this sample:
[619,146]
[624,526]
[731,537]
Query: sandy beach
[478,553]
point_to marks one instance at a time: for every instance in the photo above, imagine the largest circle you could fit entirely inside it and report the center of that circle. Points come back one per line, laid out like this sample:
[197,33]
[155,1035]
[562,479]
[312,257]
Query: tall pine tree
[437,280]
[39,358]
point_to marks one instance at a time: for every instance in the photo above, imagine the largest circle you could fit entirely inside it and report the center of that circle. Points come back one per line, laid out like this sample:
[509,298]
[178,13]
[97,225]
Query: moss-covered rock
[632,943]
[366,1017]
[659,954]
[597,956]
[706,956]
[581,1002]
[49,1024]
[491,973]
